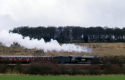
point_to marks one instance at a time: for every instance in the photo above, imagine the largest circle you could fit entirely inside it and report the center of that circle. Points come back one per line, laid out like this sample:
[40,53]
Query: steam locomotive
[59,59]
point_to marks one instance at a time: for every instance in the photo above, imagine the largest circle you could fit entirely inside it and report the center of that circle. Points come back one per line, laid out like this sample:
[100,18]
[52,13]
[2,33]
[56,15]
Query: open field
[114,77]
[99,49]
[105,49]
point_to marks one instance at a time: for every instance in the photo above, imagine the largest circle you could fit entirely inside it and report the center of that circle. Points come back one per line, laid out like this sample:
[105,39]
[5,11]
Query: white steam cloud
[8,38]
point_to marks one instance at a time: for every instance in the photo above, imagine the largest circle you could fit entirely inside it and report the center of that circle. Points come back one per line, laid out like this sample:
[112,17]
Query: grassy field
[62,77]
[105,49]
[100,49]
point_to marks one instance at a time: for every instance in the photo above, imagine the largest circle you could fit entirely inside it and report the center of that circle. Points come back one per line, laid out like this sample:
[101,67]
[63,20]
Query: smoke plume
[9,38]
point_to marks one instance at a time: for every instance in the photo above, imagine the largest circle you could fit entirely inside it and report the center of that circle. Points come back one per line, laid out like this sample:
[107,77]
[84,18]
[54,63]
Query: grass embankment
[107,49]
[62,77]
[100,49]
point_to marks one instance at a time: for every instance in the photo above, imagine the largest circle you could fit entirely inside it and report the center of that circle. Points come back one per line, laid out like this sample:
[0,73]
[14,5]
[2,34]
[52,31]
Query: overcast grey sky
[86,13]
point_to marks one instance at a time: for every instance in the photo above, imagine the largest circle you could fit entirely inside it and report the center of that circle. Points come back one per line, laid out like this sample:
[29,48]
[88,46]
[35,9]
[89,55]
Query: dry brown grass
[99,49]
[105,49]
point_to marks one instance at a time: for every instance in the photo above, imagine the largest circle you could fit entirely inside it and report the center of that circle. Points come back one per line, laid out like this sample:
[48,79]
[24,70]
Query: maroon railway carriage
[25,59]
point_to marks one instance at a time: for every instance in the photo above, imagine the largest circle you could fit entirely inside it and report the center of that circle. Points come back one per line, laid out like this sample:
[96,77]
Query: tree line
[72,34]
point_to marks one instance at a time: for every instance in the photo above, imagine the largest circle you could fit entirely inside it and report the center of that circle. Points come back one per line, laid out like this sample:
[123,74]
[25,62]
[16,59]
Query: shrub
[3,68]
[116,69]
[35,68]
[63,69]
[94,69]
[108,67]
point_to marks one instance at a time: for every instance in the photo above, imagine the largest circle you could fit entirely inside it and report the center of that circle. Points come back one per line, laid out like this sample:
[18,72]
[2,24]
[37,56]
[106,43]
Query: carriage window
[41,58]
[15,58]
[37,58]
[48,58]
[32,58]
[27,58]
[5,58]
[10,58]
[23,58]
[20,58]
